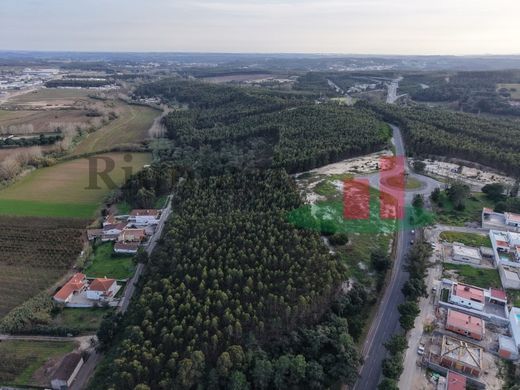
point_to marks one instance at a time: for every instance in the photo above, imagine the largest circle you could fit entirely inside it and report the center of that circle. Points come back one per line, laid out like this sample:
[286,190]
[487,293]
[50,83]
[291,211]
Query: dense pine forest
[226,127]
[473,92]
[429,132]
[236,297]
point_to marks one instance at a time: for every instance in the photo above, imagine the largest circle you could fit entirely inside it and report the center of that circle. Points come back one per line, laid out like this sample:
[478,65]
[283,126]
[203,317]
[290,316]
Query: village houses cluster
[476,322]
[128,232]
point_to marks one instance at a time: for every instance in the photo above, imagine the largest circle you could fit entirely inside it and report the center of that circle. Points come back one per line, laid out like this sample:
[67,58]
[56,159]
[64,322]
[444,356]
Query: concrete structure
[67,371]
[102,289]
[145,216]
[507,348]
[130,248]
[75,285]
[465,324]
[500,221]
[467,296]
[461,356]
[466,254]
[509,276]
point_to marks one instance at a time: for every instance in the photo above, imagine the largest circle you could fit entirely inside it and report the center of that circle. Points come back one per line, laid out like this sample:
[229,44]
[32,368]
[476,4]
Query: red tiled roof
[101,284]
[498,294]
[465,322]
[75,283]
[469,292]
[502,243]
[455,381]
[145,213]
[487,210]
[512,217]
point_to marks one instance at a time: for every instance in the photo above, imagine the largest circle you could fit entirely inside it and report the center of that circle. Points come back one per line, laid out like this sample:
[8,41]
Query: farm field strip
[131,127]
[44,191]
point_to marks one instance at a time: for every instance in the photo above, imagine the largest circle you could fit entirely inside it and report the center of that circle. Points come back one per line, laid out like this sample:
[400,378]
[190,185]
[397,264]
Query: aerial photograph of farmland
[260,195]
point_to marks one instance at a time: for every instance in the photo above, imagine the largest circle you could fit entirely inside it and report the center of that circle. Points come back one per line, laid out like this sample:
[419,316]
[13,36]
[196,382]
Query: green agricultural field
[21,362]
[86,320]
[46,191]
[470,239]
[130,128]
[475,276]
[51,94]
[104,263]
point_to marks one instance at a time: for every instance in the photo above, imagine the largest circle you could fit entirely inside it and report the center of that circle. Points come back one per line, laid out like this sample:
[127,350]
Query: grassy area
[413,183]
[475,276]
[21,359]
[514,90]
[130,127]
[51,94]
[25,208]
[160,203]
[123,208]
[470,239]
[65,189]
[447,215]
[356,254]
[86,320]
[326,188]
[513,296]
[104,263]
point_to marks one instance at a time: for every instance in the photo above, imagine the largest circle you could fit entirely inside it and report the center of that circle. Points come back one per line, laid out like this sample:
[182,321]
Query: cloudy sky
[317,26]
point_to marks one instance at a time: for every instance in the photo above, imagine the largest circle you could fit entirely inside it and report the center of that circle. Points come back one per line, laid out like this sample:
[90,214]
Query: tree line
[429,132]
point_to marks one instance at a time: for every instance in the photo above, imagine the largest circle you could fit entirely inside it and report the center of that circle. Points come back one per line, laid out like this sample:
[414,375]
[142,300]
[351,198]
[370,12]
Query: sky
[263,26]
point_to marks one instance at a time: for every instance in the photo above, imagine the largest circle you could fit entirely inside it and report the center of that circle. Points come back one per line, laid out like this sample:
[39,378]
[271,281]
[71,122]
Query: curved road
[386,321]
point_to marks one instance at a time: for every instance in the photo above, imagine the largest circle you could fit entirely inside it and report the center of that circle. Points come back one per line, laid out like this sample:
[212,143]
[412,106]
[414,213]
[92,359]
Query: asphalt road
[386,320]
[86,371]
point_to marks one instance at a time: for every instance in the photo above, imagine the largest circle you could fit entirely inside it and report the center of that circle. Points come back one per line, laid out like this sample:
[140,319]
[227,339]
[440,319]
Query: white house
[512,219]
[102,289]
[467,296]
[466,254]
[145,216]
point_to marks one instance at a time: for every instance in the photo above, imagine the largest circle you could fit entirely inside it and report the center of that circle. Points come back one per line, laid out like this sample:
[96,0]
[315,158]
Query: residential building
[512,219]
[465,325]
[455,381]
[132,235]
[75,285]
[461,356]
[145,216]
[466,254]
[467,296]
[102,289]
[67,371]
[500,221]
[507,348]
[506,253]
